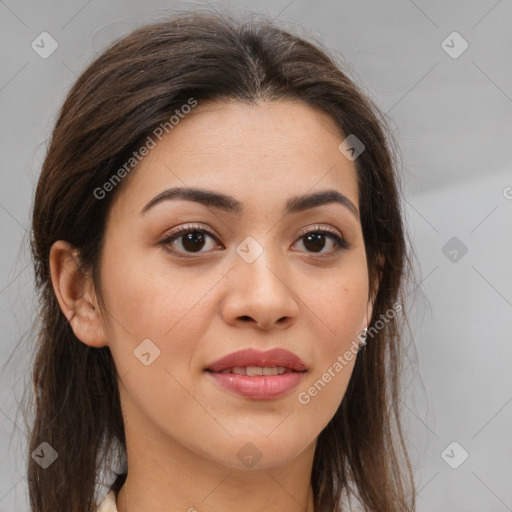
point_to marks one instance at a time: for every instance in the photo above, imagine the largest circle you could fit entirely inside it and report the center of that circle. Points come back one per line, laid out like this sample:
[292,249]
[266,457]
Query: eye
[315,240]
[187,239]
[192,239]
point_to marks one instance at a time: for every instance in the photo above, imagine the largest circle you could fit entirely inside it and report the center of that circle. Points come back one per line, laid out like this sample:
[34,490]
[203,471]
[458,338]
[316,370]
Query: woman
[220,256]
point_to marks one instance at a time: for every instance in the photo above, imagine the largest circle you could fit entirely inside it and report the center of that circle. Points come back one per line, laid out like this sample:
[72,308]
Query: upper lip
[253,357]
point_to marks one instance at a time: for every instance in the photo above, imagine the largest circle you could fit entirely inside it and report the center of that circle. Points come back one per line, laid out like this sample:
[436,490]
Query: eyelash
[340,243]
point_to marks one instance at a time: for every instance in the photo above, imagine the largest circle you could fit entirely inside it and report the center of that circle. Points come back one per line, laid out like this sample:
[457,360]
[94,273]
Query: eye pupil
[316,240]
[191,239]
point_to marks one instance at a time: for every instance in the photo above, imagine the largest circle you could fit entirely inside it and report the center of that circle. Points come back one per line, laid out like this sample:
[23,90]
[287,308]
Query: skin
[183,430]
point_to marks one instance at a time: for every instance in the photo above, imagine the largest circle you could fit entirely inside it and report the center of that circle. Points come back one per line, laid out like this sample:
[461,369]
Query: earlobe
[75,293]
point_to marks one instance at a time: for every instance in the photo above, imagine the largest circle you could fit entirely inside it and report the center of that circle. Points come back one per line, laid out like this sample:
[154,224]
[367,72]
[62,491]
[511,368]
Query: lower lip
[264,387]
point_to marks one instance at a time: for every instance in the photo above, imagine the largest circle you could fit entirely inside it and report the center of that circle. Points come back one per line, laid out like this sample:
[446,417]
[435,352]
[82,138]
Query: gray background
[452,118]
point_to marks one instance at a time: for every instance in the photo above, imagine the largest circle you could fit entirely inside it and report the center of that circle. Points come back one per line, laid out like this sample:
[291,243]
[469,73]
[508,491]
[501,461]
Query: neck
[201,485]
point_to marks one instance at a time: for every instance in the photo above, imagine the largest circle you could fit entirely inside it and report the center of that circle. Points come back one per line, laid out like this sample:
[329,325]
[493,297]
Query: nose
[260,293]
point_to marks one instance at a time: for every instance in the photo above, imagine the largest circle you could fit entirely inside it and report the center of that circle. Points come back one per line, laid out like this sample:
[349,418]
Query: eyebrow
[230,204]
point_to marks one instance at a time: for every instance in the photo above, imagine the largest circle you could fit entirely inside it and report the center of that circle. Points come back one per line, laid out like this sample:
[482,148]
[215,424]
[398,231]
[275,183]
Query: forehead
[260,153]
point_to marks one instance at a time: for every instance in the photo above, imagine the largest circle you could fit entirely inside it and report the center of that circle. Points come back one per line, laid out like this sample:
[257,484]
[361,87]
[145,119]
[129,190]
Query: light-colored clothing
[109,503]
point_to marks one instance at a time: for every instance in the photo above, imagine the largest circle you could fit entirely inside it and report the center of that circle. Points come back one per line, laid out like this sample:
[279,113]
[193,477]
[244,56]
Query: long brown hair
[133,87]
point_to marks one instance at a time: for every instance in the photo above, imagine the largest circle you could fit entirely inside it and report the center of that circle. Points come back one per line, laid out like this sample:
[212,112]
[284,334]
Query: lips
[252,358]
[256,375]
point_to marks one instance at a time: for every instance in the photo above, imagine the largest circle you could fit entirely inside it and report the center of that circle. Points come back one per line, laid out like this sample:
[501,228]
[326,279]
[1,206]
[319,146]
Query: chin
[256,453]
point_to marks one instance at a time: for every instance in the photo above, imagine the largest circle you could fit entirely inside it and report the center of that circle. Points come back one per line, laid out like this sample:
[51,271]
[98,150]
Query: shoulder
[109,503]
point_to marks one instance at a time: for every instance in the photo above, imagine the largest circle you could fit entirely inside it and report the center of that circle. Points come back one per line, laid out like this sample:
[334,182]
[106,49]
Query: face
[254,271]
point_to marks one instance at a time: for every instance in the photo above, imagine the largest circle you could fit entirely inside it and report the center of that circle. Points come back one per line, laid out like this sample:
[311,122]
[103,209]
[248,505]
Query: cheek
[338,316]
[338,304]
[149,300]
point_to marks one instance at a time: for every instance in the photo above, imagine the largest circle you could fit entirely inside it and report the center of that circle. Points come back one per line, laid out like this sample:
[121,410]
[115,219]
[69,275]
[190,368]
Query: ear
[76,296]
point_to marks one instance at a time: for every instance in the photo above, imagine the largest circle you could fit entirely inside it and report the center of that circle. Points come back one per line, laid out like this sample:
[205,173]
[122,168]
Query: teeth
[255,370]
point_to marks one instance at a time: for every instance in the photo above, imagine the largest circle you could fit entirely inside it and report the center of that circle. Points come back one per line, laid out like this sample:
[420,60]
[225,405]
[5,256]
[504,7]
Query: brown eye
[188,240]
[194,240]
[191,239]
[315,241]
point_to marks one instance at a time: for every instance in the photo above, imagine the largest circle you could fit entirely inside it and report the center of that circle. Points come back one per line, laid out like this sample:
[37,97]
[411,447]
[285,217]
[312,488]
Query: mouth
[258,383]
[254,362]
[254,374]
[254,371]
